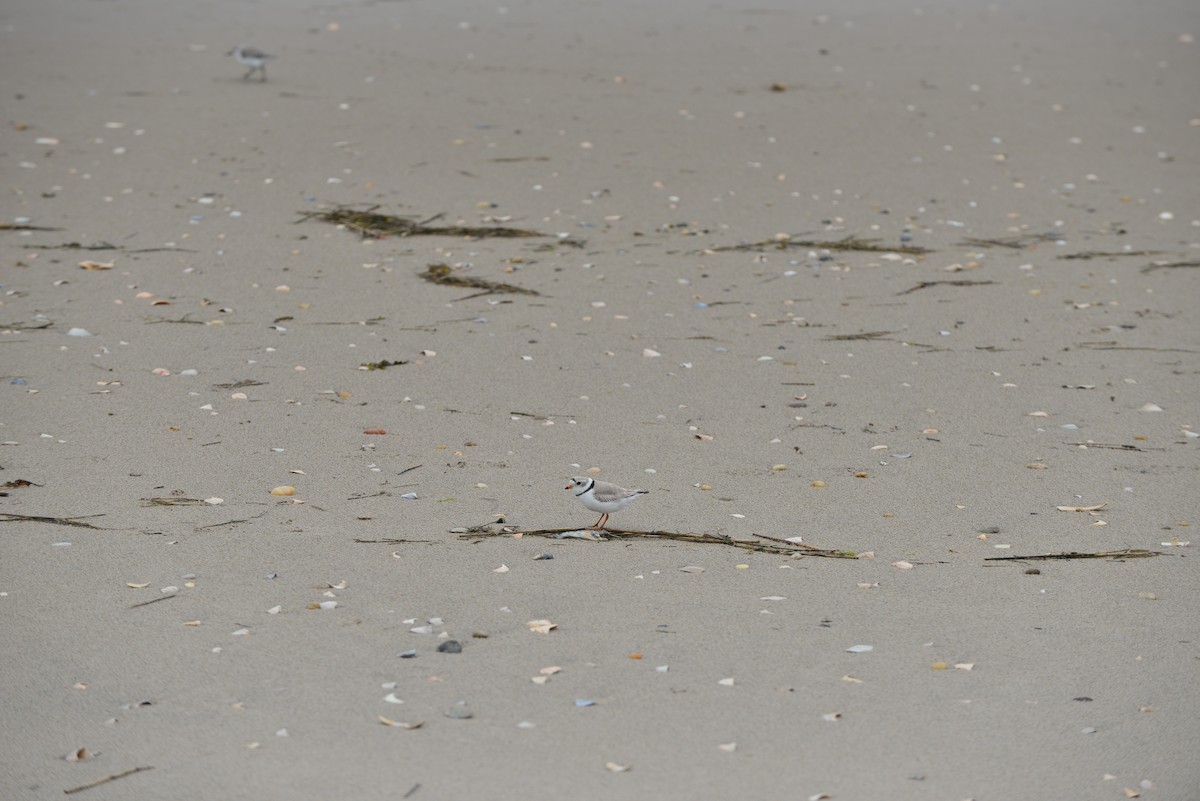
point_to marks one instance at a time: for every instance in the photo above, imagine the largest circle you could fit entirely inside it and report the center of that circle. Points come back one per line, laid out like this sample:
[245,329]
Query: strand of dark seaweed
[785,548]
[960,282]
[9,517]
[849,243]
[369,224]
[1128,553]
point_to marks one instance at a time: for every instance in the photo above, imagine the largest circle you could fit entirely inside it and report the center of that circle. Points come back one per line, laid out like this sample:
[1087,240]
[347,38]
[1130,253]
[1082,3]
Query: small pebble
[450,647]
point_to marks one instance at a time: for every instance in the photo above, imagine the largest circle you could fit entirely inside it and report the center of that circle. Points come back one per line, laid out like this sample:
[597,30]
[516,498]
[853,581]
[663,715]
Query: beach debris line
[1125,553]
[847,243]
[24,227]
[372,225]
[1027,241]
[444,275]
[1106,254]
[175,501]
[9,517]
[1169,265]
[784,548]
[382,364]
[109,778]
[959,282]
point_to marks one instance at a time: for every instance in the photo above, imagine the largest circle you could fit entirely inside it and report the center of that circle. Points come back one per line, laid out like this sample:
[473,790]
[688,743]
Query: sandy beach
[891,309]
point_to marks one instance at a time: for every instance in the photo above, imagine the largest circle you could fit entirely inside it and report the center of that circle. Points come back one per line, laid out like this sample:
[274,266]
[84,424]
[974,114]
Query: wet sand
[1027,179]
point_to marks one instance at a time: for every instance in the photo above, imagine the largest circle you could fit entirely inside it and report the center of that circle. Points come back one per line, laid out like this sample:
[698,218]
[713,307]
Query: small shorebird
[253,58]
[602,497]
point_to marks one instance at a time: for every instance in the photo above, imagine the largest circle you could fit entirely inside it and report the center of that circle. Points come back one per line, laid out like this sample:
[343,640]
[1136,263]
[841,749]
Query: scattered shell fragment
[902,565]
[831,717]
[283,491]
[1094,508]
[502,569]
[78,755]
[137,585]
[691,569]
[613,767]
[392,699]
[396,724]
[541,626]
[96,265]
[726,682]
[860,649]
[1150,407]
[728,748]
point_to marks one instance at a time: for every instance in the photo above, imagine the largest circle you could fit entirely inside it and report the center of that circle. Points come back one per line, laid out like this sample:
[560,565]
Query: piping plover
[253,58]
[602,497]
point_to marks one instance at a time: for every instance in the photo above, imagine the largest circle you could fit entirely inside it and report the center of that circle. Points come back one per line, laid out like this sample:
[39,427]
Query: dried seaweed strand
[172,501]
[391,541]
[444,275]
[850,337]
[958,282]
[23,227]
[1015,242]
[849,243]
[230,522]
[103,246]
[1128,553]
[1108,254]
[376,226]
[1112,446]
[785,549]
[1169,266]
[9,517]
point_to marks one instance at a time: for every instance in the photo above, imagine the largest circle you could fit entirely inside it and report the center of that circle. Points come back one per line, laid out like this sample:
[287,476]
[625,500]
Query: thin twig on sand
[109,778]
[784,548]
[9,517]
[1127,553]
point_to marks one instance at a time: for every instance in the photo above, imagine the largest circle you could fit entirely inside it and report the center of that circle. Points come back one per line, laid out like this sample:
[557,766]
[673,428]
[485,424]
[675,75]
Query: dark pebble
[450,647]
